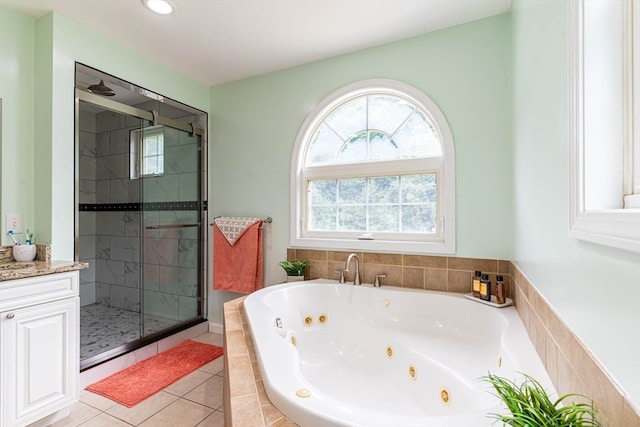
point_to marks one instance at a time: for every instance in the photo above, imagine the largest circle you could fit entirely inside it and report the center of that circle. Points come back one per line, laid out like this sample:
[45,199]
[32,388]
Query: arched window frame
[443,241]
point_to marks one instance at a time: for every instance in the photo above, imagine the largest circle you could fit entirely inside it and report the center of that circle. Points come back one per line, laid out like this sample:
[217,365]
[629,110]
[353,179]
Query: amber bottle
[501,292]
[485,288]
[475,288]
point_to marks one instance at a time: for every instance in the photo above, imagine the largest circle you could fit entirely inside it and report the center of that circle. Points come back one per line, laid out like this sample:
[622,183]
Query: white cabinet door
[39,365]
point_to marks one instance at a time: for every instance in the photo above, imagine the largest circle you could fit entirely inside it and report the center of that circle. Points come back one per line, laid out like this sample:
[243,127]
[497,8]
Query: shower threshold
[109,332]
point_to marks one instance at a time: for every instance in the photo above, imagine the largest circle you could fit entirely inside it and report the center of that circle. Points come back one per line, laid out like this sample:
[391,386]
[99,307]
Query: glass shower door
[169,163]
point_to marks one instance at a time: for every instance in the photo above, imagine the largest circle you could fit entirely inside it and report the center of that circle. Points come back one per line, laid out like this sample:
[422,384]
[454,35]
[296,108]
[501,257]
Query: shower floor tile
[103,328]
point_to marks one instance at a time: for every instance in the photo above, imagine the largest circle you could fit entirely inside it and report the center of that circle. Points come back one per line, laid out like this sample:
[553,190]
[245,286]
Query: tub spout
[356,280]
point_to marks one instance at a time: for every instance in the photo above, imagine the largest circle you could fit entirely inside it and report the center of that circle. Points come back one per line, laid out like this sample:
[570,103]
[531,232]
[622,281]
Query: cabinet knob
[10,316]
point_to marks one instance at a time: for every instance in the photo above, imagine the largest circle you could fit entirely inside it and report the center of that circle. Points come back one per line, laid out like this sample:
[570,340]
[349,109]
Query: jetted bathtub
[334,354]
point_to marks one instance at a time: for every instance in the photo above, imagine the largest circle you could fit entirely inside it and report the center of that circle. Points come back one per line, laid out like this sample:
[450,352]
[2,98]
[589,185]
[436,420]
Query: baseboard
[216,328]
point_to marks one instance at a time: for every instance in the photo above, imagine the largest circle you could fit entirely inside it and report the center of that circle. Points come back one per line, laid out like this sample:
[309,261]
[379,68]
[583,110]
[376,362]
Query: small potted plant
[530,405]
[295,269]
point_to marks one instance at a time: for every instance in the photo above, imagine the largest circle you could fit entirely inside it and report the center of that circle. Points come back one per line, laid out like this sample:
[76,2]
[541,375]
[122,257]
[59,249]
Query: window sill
[375,245]
[619,228]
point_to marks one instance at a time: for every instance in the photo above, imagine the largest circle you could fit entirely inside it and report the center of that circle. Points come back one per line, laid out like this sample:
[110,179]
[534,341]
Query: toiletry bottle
[501,292]
[476,284]
[485,288]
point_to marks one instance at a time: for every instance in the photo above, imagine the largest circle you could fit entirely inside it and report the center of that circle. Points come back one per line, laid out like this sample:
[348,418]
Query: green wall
[37,87]
[464,69]
[17,93]
[595,289]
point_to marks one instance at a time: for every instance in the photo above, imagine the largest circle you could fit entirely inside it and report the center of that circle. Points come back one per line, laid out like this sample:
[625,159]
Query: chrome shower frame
[153,117]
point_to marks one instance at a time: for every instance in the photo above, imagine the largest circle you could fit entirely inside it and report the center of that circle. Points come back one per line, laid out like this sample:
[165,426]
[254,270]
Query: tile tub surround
[571,367]
[433,273]
[245,402]
[569,363]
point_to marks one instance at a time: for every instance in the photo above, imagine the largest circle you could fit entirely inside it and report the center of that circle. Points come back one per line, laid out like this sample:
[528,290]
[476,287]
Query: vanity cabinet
[39,347]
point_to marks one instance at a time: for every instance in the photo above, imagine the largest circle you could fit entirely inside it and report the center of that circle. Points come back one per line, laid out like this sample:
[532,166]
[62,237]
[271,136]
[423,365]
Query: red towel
[238,267]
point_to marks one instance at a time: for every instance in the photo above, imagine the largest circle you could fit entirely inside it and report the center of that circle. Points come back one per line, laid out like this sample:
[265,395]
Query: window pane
[384,218]
[419,188]
[160,148]
[386,204]
[352,218]
[150,165]
[349,118]
[355,149]
[417,138]
[373,128]
[387,114]
[419,218]
[323,218]
[150,146]
[325,146]
[381,147]
[352,191]
[323,192]
[384,190]
[160,165]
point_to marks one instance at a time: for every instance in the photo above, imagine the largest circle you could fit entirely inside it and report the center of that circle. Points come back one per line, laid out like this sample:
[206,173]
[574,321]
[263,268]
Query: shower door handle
[163,226]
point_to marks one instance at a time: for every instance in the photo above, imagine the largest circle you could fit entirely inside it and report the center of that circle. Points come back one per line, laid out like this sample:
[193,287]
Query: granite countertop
[11,269]
[22,270]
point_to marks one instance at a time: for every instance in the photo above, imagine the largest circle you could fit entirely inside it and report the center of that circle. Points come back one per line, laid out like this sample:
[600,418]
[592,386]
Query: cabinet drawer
[34,290]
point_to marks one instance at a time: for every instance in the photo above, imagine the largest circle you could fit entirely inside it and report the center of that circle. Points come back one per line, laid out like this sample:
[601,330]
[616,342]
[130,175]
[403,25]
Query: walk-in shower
[140,216]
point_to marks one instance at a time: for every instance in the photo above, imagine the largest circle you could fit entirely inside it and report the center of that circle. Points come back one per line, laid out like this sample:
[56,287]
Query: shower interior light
[162,7]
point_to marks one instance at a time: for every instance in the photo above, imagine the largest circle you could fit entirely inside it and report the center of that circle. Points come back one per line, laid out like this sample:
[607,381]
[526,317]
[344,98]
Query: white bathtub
[337,354]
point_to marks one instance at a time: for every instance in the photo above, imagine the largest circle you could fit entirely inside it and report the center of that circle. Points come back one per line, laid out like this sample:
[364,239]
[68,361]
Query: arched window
[373,169]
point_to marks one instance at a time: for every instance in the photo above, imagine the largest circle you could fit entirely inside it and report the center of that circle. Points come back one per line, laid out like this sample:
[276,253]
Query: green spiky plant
[295,267]
[530,405]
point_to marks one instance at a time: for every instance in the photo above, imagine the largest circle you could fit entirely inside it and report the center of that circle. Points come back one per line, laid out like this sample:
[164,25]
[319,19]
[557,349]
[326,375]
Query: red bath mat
[136,383]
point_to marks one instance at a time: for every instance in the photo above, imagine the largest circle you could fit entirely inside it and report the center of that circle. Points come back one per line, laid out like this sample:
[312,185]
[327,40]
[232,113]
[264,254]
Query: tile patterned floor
[193,401]
[103,328]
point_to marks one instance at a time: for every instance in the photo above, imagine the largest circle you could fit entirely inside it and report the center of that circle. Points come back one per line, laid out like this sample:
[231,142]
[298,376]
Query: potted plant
[530,405]
[295,269]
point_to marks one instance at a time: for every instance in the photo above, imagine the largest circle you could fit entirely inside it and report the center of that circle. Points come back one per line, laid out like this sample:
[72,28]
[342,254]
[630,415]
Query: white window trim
[632,107]
[445,243]
[614,227]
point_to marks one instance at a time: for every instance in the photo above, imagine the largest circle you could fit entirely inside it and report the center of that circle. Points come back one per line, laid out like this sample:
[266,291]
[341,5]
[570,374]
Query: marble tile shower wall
[110,236]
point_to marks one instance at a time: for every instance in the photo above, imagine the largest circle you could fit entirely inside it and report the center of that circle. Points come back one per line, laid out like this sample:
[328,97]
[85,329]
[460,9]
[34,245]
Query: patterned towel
[233,227]
[238,268]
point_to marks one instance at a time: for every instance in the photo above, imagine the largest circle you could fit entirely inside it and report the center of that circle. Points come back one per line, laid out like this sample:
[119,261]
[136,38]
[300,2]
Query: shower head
[101,89]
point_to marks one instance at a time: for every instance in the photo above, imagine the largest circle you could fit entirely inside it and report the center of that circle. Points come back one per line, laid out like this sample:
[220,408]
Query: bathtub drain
[322,319]
[308,321]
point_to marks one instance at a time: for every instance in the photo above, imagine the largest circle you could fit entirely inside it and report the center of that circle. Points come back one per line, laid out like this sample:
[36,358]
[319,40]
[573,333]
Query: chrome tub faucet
[356,280]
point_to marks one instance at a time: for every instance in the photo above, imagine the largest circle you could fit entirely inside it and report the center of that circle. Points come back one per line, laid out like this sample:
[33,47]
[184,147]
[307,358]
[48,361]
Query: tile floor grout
[195,400]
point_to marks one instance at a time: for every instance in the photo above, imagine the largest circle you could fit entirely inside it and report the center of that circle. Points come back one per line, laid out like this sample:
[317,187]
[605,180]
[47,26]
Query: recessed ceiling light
[163,7]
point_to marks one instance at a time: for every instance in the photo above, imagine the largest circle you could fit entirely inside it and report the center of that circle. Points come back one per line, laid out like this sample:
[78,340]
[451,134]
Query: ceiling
[218,41]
